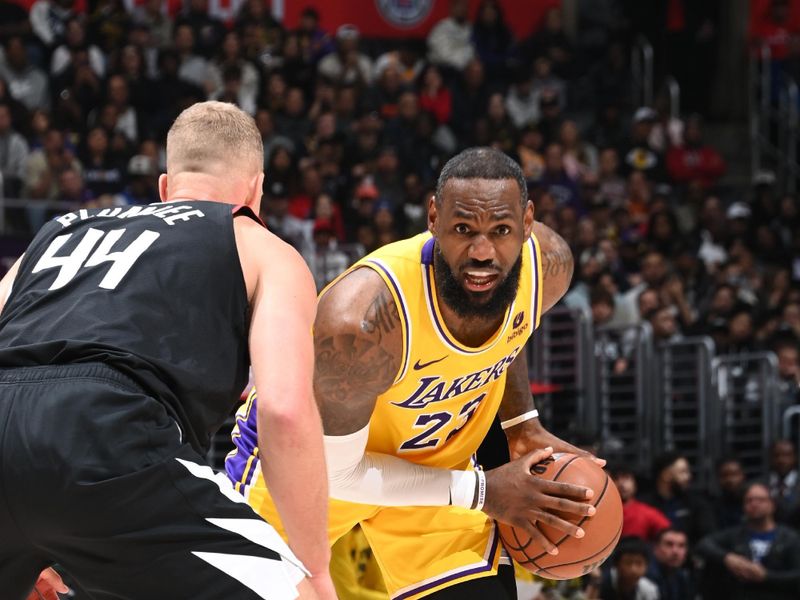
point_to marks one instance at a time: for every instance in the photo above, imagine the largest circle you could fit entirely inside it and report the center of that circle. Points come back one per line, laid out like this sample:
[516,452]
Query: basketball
[576,556]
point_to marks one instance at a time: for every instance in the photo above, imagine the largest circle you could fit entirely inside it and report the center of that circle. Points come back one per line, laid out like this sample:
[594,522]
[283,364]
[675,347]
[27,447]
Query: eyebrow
[496,216]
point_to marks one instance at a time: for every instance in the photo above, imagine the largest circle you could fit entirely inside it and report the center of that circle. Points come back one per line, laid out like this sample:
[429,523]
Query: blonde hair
[214,137]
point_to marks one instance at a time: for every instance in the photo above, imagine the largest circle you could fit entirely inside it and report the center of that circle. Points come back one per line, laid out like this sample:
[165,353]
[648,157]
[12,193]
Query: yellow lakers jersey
[445,395]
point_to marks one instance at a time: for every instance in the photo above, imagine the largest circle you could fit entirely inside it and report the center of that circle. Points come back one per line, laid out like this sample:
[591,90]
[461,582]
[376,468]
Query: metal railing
[642,70]
[623,358]
[559,356]
[684,416]
[774,119]
[674,95]
[747,396]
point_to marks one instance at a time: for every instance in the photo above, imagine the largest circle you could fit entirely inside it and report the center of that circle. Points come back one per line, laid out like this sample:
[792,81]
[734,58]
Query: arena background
[659,139]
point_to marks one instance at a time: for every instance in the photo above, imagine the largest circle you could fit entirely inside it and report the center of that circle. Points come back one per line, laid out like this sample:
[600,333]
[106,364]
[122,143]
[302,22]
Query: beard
[466,304]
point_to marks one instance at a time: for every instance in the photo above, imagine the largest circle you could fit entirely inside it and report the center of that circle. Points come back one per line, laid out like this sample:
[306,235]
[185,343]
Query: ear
[527,219]
[432,215]
[162,187]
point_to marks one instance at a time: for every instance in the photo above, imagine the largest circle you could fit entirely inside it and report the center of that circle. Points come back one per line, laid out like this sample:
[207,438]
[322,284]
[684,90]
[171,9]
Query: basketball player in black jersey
[125,340]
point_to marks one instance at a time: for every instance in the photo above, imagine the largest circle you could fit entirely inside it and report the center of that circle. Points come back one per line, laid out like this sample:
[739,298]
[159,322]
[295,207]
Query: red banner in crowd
[383,18]
[410,18]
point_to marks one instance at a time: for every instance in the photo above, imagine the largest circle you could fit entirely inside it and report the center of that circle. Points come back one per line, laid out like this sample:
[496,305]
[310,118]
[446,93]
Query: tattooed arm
[358,347]
[557,265]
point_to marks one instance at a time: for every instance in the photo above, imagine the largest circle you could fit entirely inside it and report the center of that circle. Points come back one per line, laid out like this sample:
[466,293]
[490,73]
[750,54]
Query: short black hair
[660,535]
[631,545]
[667,459]
[482,163]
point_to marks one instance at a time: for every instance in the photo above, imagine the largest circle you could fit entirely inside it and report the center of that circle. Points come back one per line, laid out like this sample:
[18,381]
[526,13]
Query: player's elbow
[287,412]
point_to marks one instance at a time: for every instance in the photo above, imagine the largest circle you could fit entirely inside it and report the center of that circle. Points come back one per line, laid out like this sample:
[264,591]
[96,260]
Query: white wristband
[481,490]
[462,488]
[531,414]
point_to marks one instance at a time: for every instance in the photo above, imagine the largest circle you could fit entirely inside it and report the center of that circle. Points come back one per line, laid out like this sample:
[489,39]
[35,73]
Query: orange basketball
[576,556]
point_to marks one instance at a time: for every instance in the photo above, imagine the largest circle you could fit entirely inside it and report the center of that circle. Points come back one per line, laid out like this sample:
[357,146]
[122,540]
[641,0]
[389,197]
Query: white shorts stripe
[270,579]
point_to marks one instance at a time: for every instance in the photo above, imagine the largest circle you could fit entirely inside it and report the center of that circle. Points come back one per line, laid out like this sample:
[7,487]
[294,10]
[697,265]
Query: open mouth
[480,281]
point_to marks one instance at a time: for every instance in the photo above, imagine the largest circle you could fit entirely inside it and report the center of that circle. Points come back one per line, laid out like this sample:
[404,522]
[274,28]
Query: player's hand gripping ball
[576,556]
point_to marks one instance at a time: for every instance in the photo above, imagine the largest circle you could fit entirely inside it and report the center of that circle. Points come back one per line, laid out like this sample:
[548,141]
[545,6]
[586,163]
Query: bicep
[281,347]
[357,349]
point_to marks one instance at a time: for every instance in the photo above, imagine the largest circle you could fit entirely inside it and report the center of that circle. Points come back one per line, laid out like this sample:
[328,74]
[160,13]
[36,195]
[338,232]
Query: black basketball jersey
[155,291]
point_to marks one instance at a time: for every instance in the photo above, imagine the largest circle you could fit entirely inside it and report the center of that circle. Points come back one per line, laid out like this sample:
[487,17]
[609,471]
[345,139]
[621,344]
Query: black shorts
[94,476]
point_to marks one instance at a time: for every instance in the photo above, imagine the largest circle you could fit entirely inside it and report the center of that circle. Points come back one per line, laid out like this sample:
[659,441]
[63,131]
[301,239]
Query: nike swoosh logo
[418,365]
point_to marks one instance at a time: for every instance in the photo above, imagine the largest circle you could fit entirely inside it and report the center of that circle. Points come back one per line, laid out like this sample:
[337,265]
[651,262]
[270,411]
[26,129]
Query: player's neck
[202,186]
[470,331]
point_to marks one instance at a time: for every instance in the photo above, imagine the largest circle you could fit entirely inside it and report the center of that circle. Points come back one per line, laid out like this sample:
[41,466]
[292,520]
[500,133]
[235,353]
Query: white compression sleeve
[372,478]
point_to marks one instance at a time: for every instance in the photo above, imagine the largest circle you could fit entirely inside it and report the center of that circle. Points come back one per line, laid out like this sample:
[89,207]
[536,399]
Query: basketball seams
[564,466]
[585,559]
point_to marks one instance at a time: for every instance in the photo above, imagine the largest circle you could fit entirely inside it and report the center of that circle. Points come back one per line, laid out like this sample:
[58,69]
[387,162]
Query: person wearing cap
[347,65]
[640,155]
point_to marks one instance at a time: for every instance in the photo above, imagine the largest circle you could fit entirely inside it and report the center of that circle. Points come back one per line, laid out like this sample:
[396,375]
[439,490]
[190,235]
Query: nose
[481,248]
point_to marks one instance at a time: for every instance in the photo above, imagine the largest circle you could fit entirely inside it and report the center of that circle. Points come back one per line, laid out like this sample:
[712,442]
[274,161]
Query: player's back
[156,292]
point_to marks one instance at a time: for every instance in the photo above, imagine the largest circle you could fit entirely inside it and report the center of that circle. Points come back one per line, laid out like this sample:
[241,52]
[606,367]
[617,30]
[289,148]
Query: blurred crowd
[355,132]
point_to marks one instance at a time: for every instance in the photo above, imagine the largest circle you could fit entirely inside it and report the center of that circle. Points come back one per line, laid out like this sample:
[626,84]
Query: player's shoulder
[353,293]
[264,255]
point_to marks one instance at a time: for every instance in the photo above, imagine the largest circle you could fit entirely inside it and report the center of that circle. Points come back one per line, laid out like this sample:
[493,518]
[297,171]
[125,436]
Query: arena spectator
[45,164]
[784,482]
[327,261]
[727,502]
[74,42]
[150,15]
[580,157]
[230,55]
[317,41]
[686,510]
[434,97]
[13,20]
[550,41]
[639,155]
[192,67]
[49,20]
[450,40]
[142,176]
[626,579]
[667,569]
[26,82]
[695,160]
[13,155]
[639,519]
[522,102]
[207,29]
[557,182]
[102,172]
[788,352]
[493,41]
[760,559]
[347,64]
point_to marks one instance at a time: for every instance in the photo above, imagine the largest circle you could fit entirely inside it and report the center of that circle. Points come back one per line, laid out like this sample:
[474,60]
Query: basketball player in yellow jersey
[417,348]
